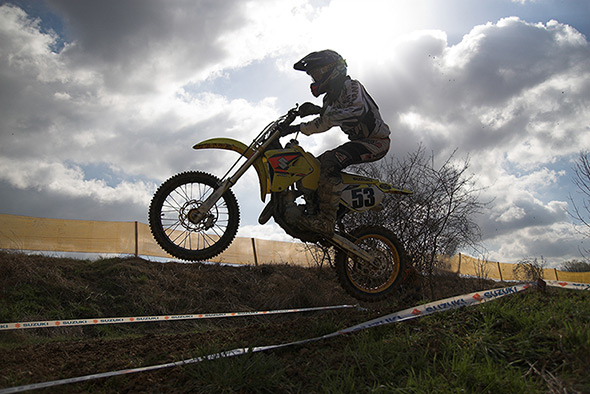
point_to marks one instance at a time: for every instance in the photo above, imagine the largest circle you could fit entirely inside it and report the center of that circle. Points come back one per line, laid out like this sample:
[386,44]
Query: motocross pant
[335,160]
[353,152]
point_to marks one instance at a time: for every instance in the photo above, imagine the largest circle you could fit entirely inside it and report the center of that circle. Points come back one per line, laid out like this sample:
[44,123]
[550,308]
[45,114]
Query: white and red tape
[568,285]
[406,314]
[144,319]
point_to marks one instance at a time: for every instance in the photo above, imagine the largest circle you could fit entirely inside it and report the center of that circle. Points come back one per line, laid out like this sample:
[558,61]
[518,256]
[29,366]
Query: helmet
[326,68]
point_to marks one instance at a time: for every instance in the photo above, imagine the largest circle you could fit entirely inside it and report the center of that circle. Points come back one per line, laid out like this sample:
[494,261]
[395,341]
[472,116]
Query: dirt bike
[195,216]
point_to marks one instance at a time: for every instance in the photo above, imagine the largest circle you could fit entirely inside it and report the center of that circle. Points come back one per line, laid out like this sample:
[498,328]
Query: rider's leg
[331,163]
[328,202]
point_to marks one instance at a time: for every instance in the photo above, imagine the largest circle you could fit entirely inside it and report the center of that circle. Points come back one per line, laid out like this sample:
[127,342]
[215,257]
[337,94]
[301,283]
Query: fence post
[136,239]
[500,271]
[459,268]
[555,270]
[254,250]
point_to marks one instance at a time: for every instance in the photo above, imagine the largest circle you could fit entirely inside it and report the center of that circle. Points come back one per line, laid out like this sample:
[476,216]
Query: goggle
[318,73]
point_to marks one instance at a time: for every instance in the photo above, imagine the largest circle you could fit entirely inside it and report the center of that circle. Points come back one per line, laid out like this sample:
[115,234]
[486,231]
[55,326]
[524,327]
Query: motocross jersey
[354,111]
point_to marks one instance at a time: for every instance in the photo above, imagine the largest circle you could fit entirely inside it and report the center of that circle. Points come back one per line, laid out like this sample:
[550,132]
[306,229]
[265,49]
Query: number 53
[364,197]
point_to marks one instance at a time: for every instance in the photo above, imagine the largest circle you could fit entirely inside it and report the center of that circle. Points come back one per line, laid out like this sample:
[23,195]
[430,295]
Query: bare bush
[319,254]
[482,270]
[529,269]
[439,218]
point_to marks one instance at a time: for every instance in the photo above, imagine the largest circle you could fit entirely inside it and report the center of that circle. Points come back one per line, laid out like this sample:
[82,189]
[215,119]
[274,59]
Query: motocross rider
[348,105]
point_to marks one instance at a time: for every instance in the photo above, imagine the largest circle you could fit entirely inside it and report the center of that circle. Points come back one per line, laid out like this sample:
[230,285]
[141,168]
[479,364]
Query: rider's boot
[329,198]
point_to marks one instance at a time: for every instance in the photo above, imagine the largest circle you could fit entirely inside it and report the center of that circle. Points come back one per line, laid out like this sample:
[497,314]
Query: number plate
[361,197]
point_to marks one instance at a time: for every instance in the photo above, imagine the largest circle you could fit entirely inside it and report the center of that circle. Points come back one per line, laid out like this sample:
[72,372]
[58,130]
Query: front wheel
[376,281]
[172,217]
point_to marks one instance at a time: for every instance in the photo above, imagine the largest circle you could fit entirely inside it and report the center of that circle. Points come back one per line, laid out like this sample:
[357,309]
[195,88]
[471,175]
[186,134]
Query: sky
[101,101]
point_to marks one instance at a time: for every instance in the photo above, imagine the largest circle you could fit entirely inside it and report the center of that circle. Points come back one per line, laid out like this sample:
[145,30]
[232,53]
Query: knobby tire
[170,220]
[371,282]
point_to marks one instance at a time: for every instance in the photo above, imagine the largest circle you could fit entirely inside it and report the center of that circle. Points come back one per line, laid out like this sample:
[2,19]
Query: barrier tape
[406,314]
[568,285]
[440,306]
[144,319]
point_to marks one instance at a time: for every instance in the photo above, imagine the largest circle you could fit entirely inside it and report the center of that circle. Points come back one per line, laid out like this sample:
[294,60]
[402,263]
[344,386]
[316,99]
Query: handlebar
[289,117]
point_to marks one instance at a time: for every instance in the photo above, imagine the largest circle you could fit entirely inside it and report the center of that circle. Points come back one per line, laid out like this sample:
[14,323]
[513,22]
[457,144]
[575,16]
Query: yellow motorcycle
[195,216]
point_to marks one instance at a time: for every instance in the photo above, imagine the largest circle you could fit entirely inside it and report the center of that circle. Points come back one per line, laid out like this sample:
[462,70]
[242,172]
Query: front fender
[241,148]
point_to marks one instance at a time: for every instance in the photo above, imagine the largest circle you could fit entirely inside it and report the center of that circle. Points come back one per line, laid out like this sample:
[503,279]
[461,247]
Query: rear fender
[384,187]
[390,189]
[242,149]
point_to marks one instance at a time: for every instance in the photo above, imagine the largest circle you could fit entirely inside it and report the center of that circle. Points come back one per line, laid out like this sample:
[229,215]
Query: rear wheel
[371,281]
[173,222]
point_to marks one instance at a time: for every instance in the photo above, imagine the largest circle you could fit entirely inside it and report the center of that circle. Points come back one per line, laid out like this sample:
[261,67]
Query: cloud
[514,96]
[555,243]
[512,84]
[148,46]
[70,182]
[59,121]
[268,231]
[144,45]
[116,110]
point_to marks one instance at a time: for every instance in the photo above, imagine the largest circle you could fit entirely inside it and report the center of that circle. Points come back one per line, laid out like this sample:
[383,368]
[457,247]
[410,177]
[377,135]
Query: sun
[365,29]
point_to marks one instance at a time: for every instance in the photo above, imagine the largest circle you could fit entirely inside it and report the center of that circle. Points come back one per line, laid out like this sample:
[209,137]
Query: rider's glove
[309,109]
[285,131]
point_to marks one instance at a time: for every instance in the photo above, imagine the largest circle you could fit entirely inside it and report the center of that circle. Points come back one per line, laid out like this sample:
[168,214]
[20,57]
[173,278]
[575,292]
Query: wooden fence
[135,238]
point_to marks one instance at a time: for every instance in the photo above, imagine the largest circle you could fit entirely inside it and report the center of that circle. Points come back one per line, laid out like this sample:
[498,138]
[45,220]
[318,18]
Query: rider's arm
[346,111]
[318,125]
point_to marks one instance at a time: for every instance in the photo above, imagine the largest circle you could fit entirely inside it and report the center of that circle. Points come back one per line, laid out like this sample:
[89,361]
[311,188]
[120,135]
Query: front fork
[201,212]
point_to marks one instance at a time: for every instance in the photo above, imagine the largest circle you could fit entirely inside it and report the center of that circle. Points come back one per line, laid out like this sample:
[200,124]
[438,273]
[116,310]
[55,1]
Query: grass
[493,348]
[533,342]
[510,345]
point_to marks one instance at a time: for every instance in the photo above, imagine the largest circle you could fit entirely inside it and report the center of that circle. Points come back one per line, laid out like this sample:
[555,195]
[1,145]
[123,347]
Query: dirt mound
[119,286]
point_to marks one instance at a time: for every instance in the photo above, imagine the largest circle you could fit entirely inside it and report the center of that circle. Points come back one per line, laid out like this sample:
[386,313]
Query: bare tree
[575,266]
[439,218]
[580,212]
